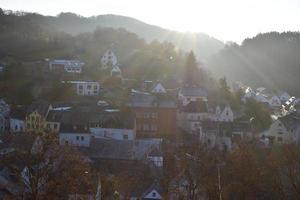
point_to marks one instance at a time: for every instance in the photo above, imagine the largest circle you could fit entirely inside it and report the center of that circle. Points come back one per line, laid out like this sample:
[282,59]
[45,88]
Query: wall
[75,139]
[17,125]
[113,133]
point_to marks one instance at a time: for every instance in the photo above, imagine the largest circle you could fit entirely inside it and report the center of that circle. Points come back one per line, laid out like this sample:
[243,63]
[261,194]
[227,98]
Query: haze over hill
[267,60]
[203,45]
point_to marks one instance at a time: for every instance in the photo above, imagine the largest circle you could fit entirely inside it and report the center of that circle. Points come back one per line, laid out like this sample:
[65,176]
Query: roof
[193,91]
[196,107]
[40,106]
[151,100]
[18,112]
[154,186]
[122,150]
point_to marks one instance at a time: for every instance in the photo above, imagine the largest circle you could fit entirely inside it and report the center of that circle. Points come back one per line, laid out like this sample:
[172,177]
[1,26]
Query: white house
[87,88]
[190,116]
[109,59]
[75,139]
[17,125]
[113,133]
[156,157]
[116,71]
[69,66]
[158,88]
[224,113]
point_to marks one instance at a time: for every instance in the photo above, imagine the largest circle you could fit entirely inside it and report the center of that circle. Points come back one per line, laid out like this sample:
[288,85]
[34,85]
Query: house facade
[113,133]
[109,59]
[155,114]
[87,88]
[68,66]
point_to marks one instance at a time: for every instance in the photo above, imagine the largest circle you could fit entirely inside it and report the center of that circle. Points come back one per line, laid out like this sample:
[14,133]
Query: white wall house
[75,139]
[69,66]
[116,71]
[113,133]
[17,125]
[109,59]
[225,115]
[87,88]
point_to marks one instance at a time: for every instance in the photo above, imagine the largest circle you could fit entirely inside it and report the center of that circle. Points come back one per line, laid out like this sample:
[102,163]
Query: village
[155,117]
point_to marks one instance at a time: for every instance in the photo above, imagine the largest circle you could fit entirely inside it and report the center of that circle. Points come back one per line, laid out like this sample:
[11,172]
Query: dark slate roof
[40,106]
[18,112]
[70,128]
[291,120]
[193,91]
[199,106]
[151,100]
[54,116]
[122,150]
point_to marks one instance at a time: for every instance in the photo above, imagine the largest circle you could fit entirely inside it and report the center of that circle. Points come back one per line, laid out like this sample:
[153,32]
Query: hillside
[203,45]
[267,60]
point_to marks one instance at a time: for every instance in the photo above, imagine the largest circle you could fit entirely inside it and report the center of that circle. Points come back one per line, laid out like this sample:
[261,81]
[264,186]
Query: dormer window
[153,194]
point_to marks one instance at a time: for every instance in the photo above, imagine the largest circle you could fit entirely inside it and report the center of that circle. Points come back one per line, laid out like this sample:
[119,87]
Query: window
[89,87]
[146,127]
[153,127]
[279,124]
[279,139]
[146,115]
[95,87]
[77,137]
[80,87]
[280,133]
[82,138]
[16,127]
[154,115]
[66,142]
[153,194]
[125,137]
[55,126]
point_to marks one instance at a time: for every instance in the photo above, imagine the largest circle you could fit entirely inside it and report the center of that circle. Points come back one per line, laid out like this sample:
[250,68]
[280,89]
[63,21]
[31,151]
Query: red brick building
[155,114]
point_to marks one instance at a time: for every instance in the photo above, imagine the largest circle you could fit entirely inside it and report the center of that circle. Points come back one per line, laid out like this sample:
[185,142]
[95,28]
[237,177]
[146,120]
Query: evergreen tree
[192,71]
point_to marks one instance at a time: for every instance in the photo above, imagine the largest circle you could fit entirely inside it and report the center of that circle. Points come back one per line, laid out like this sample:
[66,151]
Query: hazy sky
[228,20]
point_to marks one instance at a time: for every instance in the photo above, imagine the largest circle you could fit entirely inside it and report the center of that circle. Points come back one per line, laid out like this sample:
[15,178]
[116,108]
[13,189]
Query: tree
[48,171]
[192,71]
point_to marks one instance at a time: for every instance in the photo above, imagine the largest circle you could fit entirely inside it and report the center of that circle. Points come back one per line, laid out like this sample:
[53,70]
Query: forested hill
[203,45]
[268,60]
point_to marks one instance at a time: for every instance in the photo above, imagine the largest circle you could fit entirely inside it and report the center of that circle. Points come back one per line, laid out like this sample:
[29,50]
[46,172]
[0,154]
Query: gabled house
[17,119]
[283,130]
[224,113]
[116,72]
[36,116]
[109,59]
[188,93]
[190,116]
[275,102]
